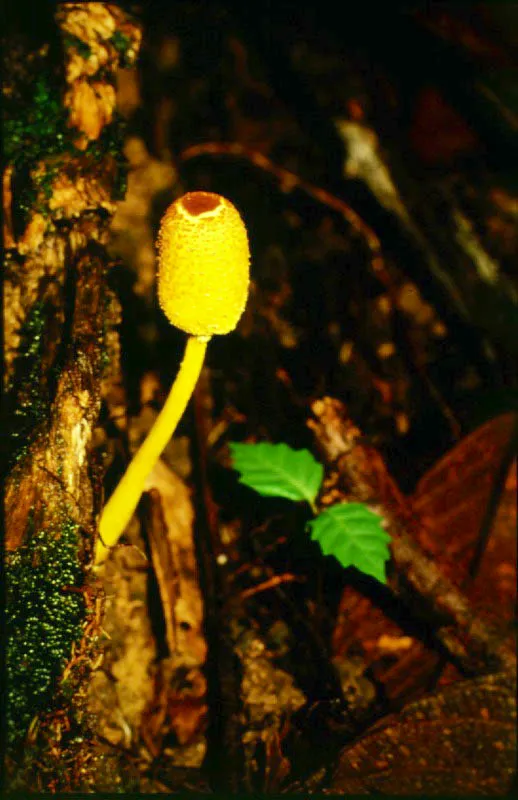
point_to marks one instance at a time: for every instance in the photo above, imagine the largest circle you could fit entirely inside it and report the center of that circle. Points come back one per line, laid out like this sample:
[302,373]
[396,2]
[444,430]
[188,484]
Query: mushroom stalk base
[120,507]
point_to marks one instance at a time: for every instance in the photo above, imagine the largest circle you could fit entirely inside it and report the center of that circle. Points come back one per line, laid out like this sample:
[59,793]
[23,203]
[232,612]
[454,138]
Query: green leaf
[276,470]
[352,533]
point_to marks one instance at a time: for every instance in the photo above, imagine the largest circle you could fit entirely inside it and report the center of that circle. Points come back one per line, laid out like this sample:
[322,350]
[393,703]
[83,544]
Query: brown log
[60,188]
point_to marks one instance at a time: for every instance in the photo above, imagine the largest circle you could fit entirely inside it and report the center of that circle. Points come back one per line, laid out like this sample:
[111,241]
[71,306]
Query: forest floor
[373,175]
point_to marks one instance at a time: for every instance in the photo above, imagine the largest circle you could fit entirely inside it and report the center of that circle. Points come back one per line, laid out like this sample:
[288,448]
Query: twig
[289,181]
[271,583]
[360,474]
[224,748]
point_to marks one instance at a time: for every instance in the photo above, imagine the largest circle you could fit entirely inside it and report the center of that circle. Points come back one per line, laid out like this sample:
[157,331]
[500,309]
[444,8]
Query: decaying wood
[179,705]
[174,562]
[56,263]
[56,470]
[359,473]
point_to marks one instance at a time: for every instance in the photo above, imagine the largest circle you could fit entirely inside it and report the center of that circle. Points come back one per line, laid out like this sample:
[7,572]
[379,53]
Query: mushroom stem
[120,507]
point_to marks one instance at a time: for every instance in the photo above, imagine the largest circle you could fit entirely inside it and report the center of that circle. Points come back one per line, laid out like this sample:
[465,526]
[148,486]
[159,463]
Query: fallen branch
[358,473]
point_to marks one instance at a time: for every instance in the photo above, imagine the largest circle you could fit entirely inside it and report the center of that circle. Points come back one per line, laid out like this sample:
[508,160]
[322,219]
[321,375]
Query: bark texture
[63,177]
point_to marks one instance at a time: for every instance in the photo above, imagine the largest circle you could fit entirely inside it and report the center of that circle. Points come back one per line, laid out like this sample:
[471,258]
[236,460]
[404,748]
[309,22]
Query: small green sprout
[351,532]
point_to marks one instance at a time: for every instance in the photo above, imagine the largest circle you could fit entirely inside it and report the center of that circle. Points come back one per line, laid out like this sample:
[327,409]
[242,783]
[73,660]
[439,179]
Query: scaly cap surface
[203,264]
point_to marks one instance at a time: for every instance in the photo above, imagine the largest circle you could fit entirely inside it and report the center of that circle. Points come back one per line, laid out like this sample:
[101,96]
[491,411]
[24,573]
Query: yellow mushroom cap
[203,264]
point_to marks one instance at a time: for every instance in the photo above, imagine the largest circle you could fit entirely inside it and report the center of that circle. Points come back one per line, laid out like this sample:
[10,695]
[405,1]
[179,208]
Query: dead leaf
[439,134]
[447,507]
[451,500]
[174,561]
[459,741]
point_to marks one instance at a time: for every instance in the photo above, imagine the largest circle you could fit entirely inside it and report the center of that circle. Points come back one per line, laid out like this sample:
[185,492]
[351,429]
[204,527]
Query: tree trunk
[62,179]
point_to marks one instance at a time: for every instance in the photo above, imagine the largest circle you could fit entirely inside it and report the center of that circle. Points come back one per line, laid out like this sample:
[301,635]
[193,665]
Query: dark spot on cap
[196,203]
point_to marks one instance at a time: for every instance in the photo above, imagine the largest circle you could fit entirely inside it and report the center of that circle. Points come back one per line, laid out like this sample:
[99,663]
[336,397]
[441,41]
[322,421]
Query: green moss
[122,44]
[105,358]
[35,195]
[72,42]
[36,131]
[42,621]
[51,763]
[121,183]
[45,179]
[27,401]
[35,128]
[111,141]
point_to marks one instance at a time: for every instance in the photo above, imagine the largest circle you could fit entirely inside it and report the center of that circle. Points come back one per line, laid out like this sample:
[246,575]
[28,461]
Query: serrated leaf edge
[373,550]
[240,462]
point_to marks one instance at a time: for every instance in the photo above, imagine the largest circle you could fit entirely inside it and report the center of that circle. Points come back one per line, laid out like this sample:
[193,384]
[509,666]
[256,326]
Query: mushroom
[203,275]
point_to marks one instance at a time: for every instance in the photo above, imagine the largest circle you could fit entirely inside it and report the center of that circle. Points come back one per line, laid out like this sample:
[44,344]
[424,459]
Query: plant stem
[120,507]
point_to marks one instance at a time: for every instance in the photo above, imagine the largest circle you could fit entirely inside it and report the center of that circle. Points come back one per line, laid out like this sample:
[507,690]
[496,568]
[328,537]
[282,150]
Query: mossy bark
[62,179]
